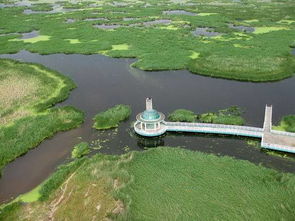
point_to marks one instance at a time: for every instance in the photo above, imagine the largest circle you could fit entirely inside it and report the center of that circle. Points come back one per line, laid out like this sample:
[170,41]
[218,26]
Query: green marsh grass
[27,93]
[177,184]
[163,184]
[182,115]
[287,123]
[263,55]
[80,150]
[231,115]
[112,117]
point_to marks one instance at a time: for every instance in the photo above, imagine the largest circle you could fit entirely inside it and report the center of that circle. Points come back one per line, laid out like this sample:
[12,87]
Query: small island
[111,117]
[231,115]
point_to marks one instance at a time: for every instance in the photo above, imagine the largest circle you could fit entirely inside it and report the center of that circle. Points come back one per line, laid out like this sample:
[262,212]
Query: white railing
[220,126]
[278,147]
[217,130]
[284,133]
[267,118]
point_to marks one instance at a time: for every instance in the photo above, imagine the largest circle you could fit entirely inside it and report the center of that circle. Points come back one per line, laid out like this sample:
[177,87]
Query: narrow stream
[104,82]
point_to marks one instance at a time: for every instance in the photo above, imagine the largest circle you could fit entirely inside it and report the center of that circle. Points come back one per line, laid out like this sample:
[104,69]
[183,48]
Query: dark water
[56,8]
[106,26]
[179,12]
[96,19]
[103,82]
[242,28]
[205,32]
[31,34]
[157,22]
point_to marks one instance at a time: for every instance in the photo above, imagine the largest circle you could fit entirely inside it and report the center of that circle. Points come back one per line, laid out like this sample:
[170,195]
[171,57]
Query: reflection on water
[144,142]
[104,82]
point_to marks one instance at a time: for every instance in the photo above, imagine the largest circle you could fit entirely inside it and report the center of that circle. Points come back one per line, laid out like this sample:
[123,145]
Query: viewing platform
[151,123]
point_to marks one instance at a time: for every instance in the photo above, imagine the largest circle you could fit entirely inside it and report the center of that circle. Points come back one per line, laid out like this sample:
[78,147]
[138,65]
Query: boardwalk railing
[215,128]
[289,134]
[171,124]
[278,147]
[286,140]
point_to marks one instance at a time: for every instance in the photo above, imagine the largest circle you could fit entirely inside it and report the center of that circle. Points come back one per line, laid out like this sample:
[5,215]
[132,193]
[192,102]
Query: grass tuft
[80,150]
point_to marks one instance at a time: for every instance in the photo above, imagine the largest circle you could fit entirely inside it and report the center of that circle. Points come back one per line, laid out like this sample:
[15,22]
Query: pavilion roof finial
[149,103]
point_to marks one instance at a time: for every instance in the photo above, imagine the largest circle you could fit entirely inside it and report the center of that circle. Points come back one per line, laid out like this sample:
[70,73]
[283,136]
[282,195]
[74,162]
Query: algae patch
[74,41]
[120,47]
[34,39]
[263,30]
[194,55]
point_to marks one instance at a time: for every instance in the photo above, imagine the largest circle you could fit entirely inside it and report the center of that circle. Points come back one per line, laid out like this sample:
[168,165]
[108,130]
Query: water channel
[103,82]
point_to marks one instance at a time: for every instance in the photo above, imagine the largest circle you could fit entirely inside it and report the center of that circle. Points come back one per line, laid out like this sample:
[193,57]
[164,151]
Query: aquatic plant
[80,150]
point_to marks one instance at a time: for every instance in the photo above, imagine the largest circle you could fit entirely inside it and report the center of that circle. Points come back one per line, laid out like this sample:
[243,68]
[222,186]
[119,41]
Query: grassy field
[231,115]
[161,184]
[111,117]
[27,91]
[261,54]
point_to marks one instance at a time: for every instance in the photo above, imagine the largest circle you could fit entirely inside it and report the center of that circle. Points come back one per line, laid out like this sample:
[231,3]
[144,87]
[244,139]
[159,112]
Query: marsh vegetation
[27,92]
[160,184]
[287,123]
[231,115]
[80,150]
[112,117]
[247,41]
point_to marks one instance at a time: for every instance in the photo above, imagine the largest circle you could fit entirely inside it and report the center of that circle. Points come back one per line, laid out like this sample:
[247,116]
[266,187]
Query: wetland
[66,65]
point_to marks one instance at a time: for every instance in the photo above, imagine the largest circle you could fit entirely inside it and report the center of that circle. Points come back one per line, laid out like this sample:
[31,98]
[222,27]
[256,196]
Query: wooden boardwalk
[270,139]
[215,129]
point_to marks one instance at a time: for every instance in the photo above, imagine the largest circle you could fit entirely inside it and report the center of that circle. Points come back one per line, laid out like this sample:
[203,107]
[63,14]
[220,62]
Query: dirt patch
[119,209]
[55,203]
